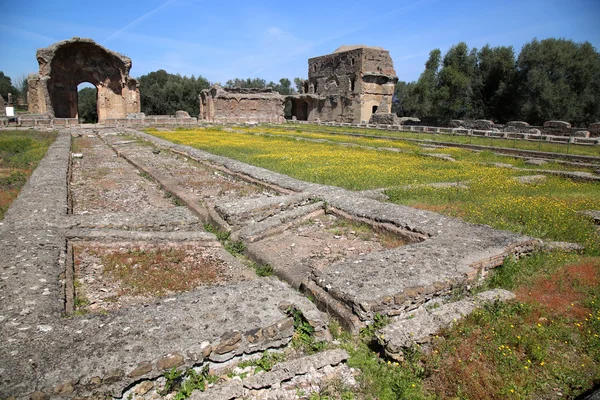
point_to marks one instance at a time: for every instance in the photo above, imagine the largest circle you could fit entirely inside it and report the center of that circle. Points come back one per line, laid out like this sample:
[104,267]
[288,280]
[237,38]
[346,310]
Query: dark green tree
[7,87]
[298,83]
[87,105]
[457,83]
[404,103]
[424,91]
[163,93]
[559,79]
[495,91]
[250,83]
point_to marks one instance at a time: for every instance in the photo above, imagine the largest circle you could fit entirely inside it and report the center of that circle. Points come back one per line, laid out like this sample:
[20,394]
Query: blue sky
[221,40]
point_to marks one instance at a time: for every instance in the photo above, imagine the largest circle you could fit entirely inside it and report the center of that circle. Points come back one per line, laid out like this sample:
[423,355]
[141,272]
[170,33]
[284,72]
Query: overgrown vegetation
[236,248]
[264,363]
[183,383]
[158,271]
[304,335]
[548,209]
[339,134]
[20,152]
[545,344]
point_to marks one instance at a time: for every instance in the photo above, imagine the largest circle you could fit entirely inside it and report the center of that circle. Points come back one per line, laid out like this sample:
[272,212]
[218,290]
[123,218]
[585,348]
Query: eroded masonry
[349,85]
[66,64]
[240,105]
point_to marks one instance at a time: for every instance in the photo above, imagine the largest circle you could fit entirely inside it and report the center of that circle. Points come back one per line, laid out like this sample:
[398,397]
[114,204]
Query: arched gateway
[66,64]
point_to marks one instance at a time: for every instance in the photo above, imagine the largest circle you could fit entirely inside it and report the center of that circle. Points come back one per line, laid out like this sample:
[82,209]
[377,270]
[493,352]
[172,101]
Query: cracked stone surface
[100,354]
[421,324]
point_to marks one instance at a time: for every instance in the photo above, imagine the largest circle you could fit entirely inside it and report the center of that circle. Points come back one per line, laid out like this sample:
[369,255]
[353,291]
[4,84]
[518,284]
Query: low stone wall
[533,134]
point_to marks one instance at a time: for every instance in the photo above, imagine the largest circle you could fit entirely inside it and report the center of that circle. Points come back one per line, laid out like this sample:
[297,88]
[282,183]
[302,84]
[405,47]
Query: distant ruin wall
[239,105]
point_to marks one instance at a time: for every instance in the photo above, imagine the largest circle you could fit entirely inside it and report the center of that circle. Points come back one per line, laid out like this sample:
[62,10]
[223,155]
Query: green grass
[579,149]
[548,210]
[20,152]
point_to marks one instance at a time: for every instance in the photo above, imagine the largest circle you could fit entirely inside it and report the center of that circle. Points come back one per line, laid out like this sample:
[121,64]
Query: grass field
[534,145]
[20,152]
[545,344]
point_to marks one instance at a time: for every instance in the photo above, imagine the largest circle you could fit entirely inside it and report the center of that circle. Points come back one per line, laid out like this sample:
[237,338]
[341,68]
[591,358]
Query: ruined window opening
[316,84]
[299,110]
[352,61]
[352,84]
[87,103]
[314,67]
[375,109]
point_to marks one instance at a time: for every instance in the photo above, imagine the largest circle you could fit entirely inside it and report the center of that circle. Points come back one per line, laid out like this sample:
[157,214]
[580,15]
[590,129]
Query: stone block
[557,124]
[518,124]
[169,361]
[581,134]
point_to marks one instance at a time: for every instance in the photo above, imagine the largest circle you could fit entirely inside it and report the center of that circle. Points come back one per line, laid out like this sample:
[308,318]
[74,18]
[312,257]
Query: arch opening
[87,103]
[67,64]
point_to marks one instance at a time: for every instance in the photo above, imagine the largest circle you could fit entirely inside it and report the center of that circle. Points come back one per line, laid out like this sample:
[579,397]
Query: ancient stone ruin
[66,64]
[349,85]
[219,104]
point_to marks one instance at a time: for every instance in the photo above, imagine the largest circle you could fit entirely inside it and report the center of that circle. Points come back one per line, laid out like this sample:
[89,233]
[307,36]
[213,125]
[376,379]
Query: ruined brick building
[233,105]
[347,86]
[66,64]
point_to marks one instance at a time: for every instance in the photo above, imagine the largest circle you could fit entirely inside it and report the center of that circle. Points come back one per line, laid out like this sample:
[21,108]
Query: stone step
[254,210]
[281,372]
[419,325]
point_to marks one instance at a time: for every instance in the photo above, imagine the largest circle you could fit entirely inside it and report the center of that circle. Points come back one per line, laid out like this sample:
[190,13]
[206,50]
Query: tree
[22,86]
[256,83]
[425,88]
[456,83]
[404,102]
[298,82]
[7,87]
[559,79]
[87,105]
[496,89]
[284,86]
[162,93]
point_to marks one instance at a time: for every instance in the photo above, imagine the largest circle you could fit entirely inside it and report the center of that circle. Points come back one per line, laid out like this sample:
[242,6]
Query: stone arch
[66,64]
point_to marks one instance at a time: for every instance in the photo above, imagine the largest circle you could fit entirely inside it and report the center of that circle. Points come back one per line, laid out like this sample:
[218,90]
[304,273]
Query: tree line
[548,80]
[162,93]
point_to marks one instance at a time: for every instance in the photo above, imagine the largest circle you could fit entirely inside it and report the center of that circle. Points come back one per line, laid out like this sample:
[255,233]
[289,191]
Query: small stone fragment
[169,361]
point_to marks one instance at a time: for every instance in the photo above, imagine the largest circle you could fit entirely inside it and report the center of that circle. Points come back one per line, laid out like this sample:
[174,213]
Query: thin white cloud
[25,33]
[137,21]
